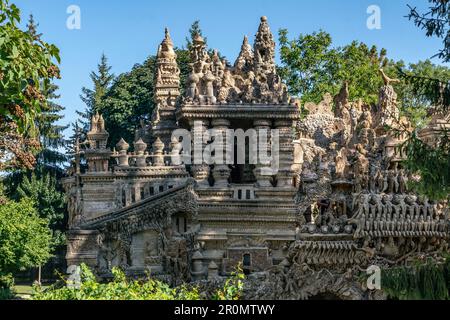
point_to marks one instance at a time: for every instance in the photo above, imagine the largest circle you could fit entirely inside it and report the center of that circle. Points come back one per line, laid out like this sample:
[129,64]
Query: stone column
[200,172]
[286,159]
[261,179]
[221,172]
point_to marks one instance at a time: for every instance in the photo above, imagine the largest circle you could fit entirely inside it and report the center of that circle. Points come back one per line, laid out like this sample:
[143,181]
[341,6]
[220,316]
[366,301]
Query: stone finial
[158,148]
[94,123]
[122,145]
[140,146]
[101,123]
[167,39]
[252,80]
[264,48]
[198,39]
[244,61]
[158,145]
[166,49]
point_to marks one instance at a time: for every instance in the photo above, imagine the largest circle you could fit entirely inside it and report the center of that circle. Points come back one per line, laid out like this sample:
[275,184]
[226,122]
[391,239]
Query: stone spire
[167,73]
[264,49]
[244,61]
[166,91]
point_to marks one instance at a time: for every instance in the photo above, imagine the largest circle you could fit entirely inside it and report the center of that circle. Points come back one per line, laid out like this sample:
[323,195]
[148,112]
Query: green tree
[436,23]
[49,201]
[51,137]
[130,98]
[128,101]
[25,239]
[102,80]
[41,183]
[311,67]
[26,69]
[421,280]
[432,90]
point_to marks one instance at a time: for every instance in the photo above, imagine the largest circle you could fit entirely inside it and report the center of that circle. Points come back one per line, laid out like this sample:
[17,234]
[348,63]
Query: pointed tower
[264,49]
[244,61]
[167,79]
[167,73]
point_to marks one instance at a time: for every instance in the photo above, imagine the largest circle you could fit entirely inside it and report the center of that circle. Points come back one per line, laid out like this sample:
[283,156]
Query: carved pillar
[221,172]
[200,170]
[262,180]
[286,154]
[139,148]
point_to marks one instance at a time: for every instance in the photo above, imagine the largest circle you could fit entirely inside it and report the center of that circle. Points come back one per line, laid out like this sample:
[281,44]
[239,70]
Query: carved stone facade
[338,203]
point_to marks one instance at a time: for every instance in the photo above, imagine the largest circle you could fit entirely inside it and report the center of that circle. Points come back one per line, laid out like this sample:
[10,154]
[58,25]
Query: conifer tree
[424,159]
[102,80]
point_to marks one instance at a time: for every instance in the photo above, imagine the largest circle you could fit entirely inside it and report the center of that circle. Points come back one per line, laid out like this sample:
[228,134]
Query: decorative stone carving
[253,79]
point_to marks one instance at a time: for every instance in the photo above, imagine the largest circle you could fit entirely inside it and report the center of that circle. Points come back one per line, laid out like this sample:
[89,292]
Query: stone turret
[167,73]
[97,136]
[97,155]
[167,90]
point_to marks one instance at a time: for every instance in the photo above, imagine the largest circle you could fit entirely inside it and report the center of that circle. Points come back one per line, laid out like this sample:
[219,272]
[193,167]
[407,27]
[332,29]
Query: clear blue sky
[129,31]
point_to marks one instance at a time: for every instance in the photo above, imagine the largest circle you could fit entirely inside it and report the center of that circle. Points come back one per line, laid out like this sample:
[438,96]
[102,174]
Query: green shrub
[232,290]
[6,283]
[120,288]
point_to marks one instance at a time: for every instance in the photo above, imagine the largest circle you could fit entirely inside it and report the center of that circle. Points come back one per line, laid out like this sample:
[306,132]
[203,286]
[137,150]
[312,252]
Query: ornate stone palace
[338,203]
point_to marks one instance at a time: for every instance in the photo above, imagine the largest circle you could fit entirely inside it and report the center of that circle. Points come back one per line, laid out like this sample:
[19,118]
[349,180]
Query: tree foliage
[436,23]
[432,90]
[40,184]
[421,281]
[233,287]
[26,69]
[311,67]
[128,101]
[49,201]
[102,80]
[25,239]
